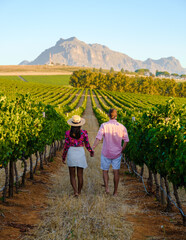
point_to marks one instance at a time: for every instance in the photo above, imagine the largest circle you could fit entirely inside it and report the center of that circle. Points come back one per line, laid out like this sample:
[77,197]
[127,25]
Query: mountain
[25,62]
[74,52]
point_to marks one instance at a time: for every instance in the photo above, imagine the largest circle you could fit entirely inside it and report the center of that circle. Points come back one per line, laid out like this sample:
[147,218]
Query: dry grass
[38,70]
[94,215]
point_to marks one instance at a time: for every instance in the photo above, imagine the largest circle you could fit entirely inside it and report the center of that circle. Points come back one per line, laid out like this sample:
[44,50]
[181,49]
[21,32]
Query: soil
[152,221]
[30,213]
[22,213]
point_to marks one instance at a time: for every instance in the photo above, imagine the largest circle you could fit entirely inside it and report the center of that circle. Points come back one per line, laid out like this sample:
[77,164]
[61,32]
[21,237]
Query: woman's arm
[86,141]
[66,147]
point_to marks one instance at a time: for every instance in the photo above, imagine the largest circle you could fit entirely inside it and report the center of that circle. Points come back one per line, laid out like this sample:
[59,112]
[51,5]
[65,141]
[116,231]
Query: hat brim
[81,123]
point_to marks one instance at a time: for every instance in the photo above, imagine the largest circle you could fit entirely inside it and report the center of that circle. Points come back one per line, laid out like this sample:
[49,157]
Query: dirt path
[22,79]
[81,100]
[94,215]
[97,102]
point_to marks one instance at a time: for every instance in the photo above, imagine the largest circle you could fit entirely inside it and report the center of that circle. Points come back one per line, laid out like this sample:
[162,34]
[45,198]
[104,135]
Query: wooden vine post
[6,184]
[161,191]
[41,160]
[141,173]
[24,171]
[179,204]
[150,181]
[16,176]
[31,168]
[169,205]
[37,157]
[157,187]
[11,178]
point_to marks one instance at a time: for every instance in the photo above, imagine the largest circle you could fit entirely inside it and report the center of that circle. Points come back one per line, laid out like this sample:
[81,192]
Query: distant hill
[25,62]
[74,52]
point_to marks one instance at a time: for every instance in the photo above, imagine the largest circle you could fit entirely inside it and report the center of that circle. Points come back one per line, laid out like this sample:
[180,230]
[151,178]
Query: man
[113,133]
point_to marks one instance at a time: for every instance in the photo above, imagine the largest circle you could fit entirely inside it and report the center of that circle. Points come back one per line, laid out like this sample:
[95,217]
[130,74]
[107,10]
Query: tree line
[121,82]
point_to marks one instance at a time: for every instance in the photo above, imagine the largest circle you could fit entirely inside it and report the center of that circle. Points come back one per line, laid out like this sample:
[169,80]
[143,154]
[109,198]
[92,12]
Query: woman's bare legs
[80,179]
[72,173]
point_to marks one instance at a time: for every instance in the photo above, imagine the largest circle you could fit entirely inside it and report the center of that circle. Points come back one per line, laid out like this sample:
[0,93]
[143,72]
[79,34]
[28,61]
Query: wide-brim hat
[76,121]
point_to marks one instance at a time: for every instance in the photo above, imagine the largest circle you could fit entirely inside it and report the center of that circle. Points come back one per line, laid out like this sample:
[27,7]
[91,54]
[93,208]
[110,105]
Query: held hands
[92,154]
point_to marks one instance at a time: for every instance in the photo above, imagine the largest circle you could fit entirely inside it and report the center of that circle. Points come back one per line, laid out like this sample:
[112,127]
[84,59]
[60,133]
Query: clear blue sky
[138,28]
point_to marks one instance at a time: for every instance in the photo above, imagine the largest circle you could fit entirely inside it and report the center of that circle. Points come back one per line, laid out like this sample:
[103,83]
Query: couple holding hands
[112,133]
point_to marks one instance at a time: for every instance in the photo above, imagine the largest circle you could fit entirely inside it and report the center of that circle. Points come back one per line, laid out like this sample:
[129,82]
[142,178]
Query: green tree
[174,74]
[183,76]
[122,82]
[142,71]
[165,73]
[111,70]
[152,75]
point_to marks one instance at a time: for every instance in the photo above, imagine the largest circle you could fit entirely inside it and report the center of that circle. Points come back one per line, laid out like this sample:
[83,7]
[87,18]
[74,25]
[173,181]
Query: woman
[75,140]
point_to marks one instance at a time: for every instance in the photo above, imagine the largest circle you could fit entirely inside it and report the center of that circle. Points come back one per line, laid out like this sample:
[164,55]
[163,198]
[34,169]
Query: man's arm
[124,146]
[98,137]
[125,138]
[95,143]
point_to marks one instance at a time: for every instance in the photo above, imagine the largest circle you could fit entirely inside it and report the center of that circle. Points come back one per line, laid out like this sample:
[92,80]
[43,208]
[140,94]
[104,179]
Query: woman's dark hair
[75,132]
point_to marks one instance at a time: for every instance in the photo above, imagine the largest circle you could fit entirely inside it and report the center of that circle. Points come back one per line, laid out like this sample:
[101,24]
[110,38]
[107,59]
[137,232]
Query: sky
[139,28]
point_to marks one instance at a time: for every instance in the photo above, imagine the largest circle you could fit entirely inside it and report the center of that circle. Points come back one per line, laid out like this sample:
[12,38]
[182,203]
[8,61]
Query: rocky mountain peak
[62,40]
[73,52]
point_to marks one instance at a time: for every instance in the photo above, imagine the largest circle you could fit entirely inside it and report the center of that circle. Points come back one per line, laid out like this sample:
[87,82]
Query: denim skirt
[76,157]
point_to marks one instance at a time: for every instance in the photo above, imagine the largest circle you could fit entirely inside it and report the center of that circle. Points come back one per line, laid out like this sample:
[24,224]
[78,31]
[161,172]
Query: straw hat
[76,121]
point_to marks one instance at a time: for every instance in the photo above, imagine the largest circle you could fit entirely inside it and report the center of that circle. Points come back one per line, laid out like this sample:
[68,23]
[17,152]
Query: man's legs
[116,166]
[73,180]
[106,180]
[116,181]
[105,165]
[103,185]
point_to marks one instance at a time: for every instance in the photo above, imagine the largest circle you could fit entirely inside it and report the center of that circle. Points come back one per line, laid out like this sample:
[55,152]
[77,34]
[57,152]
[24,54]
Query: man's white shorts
[106,162]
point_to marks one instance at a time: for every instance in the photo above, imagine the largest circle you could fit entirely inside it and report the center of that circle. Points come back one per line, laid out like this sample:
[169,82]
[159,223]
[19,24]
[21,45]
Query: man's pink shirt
[113,133]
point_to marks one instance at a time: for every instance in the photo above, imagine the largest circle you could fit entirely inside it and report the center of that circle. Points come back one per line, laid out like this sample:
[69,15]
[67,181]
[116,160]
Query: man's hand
[95,143]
